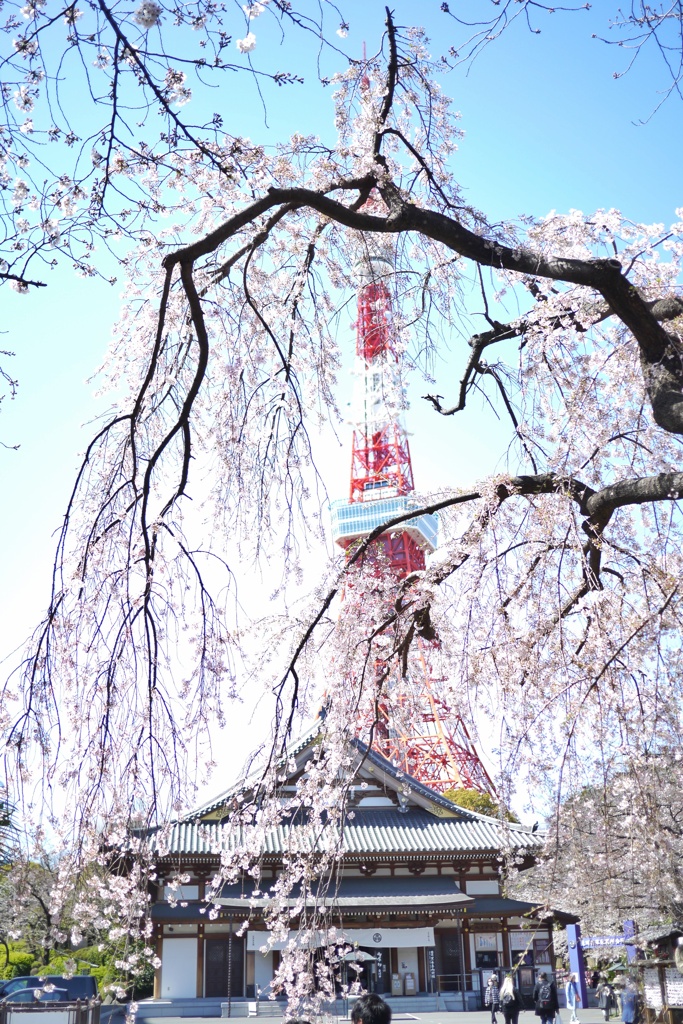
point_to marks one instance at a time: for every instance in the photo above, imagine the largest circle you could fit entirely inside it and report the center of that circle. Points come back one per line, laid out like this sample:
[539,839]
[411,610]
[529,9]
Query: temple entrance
[381,971]
[375,973]
[224,966]
[451,958]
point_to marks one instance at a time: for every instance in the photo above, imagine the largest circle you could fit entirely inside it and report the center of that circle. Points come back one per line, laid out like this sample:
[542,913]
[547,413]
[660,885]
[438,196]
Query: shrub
[20,961]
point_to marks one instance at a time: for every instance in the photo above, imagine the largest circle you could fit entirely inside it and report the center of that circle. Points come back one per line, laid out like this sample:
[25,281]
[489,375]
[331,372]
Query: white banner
[673,983]
[393,937]
[370,938]
[652,988]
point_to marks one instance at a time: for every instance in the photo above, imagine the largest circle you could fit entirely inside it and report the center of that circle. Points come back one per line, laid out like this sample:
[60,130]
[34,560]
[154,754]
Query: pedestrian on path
[492,997]
[573,997]
[510,1002]
[546,1002]
[630,1003]
[605,994]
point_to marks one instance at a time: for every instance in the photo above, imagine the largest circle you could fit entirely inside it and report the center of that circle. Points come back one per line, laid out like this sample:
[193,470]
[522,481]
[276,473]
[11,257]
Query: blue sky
[547,127]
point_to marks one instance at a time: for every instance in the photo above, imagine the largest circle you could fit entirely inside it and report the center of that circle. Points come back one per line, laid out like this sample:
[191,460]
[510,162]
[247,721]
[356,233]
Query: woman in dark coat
[510,1001]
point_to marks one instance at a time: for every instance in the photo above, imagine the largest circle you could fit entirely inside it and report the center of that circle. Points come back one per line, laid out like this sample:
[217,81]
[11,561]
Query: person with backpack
[510,1002]
[573,997]
[492,997]
[546,1002]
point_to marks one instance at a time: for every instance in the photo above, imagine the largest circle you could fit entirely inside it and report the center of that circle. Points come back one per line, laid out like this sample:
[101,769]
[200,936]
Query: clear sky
[547,127]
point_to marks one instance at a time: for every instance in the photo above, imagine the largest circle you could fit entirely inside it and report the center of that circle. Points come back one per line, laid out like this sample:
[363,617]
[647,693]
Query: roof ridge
[367,754]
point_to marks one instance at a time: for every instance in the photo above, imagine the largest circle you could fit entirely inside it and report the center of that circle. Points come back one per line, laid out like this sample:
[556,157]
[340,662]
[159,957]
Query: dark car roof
[80,986]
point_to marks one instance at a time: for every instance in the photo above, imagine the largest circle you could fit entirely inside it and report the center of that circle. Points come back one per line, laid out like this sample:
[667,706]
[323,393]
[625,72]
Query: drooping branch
[664,309]
[659,352]
[596,506]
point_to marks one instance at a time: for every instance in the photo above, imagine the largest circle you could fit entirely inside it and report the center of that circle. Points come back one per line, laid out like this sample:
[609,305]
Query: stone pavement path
[590,1016]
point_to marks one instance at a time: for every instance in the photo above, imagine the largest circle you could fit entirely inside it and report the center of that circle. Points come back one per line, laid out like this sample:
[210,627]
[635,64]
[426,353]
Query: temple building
[418,896]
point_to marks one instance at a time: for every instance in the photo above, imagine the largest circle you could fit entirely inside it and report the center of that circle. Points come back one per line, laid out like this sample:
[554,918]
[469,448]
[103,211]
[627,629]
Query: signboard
[627,939]
[431,968]
[388,937]
[673,986]
[596,941]
[577,964]
[523,940]
[489,941]
[380,967]
[630,934]
[652,990]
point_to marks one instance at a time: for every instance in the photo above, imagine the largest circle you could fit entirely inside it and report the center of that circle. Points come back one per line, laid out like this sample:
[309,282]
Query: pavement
[590,1016]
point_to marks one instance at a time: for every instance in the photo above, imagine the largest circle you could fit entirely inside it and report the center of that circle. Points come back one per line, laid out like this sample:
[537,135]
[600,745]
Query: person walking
[510,1001]
[546,1002]
[617,989]
[605,997]
[630,1003]
[492,997]
[573,997]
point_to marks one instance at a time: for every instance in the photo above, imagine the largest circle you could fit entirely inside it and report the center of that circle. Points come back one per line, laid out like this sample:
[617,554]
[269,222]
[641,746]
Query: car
[19,984]
[40,995]
[80,986]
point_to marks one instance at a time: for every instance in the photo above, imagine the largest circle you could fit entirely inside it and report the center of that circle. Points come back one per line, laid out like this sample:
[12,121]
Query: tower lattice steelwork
[436,748]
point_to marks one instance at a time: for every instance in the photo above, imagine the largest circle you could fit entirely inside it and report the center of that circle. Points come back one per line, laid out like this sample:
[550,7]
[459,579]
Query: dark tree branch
[659,352]
[392,77]
[668,308]
[5,276]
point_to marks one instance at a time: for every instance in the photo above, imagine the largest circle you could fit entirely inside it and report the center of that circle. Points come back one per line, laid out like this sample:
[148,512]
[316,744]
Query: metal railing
[79,1011]
[455,983]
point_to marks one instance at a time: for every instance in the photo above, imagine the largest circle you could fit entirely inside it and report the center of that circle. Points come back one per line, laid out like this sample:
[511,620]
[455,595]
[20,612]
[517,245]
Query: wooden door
[451,961]
[219,952]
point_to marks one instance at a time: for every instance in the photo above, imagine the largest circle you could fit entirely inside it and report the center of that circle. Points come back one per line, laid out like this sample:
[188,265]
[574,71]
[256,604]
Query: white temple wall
[263,969]
[407,961]
[179,969]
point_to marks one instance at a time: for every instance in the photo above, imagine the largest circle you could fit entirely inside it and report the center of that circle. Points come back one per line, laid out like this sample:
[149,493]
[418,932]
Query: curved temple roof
[370,831]
[425,822]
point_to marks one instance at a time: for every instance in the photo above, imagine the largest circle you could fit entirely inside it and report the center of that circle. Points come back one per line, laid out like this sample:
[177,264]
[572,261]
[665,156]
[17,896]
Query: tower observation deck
[436,747]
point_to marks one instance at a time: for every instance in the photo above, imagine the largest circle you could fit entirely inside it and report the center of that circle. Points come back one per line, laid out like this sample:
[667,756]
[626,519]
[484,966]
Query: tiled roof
[368,832]
[430,895]
[429,823]
[383,892]
[387,830]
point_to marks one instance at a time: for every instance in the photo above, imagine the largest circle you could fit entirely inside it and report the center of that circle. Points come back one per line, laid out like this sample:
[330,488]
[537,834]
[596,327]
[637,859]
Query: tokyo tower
[435,748]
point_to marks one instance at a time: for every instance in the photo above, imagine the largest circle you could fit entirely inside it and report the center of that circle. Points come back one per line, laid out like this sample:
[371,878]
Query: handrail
[456,982]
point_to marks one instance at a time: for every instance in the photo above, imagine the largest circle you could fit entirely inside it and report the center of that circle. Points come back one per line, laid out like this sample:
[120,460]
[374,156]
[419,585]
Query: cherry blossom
[247,44]
[148,14]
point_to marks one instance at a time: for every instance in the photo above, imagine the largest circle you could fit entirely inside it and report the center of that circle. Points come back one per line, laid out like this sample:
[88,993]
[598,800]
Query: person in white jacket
[573,997]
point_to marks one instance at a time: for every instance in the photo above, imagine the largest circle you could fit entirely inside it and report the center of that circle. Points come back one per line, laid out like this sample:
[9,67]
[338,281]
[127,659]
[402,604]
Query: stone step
[153,1008]
[264,1008]
[400,1005]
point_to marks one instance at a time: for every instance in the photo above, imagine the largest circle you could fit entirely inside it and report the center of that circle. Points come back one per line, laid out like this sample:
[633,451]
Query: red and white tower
[436,747]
